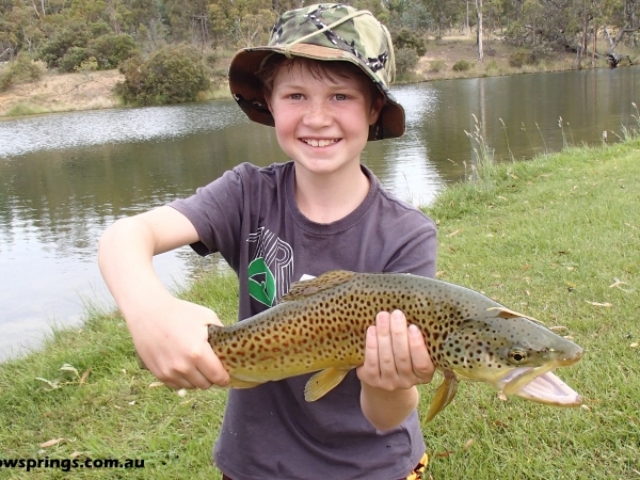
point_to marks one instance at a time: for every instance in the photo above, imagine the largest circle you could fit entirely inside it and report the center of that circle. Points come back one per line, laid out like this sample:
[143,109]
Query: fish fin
[323,282]
[505,312]
[443,396]
[322,383]
[237,383]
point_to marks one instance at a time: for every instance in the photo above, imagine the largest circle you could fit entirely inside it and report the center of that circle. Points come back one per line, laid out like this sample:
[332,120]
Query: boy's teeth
[319,143]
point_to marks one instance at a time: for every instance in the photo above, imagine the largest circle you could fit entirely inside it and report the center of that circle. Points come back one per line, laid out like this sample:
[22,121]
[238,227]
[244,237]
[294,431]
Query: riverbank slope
[94,90]
[556,237]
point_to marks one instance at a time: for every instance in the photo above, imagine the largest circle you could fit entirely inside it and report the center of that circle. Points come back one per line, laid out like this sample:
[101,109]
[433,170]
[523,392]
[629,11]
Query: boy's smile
[322,122]
[319,143]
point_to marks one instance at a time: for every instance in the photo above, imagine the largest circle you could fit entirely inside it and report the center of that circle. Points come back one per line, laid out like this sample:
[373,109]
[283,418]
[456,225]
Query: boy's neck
[329,198]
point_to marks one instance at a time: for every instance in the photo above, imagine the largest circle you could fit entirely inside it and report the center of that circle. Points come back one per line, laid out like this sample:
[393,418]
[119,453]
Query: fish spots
[326,325]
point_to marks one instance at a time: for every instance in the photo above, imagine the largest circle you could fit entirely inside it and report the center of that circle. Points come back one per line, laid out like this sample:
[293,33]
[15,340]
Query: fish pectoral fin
[310,287]
[323,382]
[443,396]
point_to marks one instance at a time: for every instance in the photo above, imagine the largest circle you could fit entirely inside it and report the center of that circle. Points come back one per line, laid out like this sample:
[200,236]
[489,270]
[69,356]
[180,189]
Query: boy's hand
[396,356]
[396,359]
[170,335]
[172,343]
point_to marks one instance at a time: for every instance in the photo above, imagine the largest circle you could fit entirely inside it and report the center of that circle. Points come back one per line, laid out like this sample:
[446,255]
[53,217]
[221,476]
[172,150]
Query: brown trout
[320,326]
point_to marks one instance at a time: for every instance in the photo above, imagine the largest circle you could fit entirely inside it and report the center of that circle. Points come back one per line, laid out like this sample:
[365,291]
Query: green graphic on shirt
[262,284]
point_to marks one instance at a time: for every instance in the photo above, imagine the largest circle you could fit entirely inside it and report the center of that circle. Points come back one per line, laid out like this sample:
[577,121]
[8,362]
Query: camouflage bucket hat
[327,32]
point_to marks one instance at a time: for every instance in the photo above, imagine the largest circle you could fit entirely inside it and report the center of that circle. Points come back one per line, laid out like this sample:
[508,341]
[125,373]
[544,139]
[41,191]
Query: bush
[491,66]
[21,70]
[405,38]
[73,58]
[462,66]
[53,52]
[436,65]
[522,57]
[406,61]
[173,74]
[111,49]
[89,65]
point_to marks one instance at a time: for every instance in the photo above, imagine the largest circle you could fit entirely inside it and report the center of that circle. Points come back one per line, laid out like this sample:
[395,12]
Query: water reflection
[68,130]
[65,177]
[404,164]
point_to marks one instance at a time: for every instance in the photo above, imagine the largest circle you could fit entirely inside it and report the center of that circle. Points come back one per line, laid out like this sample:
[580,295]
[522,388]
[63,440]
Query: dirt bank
[94,90]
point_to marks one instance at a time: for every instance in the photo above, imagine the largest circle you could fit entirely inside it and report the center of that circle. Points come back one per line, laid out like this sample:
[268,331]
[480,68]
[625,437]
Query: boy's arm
[396,360]
[169,334]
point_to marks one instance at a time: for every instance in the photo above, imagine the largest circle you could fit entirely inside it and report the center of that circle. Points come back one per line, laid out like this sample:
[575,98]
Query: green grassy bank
[557,237]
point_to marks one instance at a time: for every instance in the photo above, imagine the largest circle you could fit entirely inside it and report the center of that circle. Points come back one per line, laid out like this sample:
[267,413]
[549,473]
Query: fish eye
[517,356]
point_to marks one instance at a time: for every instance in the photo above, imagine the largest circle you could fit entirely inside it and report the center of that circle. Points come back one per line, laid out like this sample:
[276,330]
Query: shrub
[405,38]
[73,58]
[21,70]
[406,61]
[522,57]
[173,74]
[111,49]
[57,47]
[89,65]
[436,65]
[462,66]
[491,66]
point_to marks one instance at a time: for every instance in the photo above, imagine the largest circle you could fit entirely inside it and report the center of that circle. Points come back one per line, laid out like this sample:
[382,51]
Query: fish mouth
[539,385]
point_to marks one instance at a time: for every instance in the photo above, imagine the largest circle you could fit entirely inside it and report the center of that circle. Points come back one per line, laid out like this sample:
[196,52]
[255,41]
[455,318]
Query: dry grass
[442,54]
[62,92]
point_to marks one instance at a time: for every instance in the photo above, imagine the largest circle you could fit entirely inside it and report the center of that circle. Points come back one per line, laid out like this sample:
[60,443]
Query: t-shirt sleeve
[215,211]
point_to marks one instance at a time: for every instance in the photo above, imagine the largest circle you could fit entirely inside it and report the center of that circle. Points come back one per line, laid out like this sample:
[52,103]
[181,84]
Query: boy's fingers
[400,342]
[423,367]
[211,369]
[385,345]
[371,350]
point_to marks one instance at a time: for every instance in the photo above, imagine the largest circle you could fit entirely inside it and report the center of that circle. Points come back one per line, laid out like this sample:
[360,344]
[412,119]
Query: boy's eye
[295,96]
[341,96]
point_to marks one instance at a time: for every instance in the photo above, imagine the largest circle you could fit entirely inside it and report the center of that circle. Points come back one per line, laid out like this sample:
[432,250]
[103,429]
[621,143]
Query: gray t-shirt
[270,432]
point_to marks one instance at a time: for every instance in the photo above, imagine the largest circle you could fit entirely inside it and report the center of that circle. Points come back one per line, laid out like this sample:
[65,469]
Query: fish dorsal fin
[323,282]
[504,312]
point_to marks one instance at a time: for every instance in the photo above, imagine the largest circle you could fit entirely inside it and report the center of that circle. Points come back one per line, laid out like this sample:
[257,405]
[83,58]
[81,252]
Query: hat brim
[248,90]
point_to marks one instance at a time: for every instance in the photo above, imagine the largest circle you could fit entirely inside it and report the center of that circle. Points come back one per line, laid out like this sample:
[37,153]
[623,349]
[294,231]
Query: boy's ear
[376,108]
[267,100]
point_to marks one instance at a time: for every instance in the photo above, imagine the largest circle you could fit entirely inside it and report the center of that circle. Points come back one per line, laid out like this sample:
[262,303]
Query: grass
[557,237]
[25,108]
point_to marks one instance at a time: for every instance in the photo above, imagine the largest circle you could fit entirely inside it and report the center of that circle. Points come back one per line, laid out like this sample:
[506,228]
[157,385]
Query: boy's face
[322,123]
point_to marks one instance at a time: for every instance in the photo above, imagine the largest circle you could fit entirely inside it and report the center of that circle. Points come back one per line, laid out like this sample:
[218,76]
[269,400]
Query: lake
[65,177]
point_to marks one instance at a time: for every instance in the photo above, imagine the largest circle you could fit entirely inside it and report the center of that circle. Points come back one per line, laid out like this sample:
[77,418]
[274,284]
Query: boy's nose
[317,115]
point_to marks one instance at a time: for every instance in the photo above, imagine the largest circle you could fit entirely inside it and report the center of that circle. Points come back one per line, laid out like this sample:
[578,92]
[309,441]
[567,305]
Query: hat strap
[357,13]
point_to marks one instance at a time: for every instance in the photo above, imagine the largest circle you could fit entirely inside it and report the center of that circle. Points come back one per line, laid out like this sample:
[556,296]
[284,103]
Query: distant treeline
[109,30]
[74,35]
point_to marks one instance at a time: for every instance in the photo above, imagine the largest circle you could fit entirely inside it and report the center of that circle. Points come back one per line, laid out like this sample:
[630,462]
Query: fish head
[516,355]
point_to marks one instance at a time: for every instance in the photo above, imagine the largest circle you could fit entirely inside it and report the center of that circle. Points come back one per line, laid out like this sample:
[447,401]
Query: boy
[322,82]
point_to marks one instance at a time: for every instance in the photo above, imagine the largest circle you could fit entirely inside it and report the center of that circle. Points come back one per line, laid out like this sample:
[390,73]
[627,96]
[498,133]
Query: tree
[479,28]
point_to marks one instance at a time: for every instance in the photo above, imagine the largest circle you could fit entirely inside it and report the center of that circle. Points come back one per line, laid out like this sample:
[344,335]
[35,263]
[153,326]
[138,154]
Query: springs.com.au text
[67,464]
